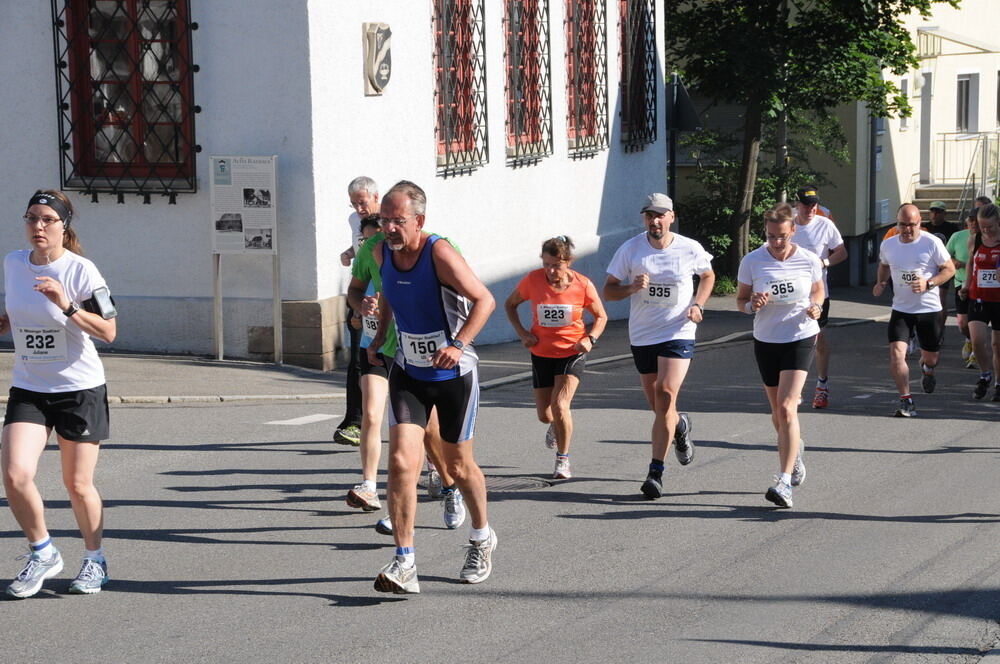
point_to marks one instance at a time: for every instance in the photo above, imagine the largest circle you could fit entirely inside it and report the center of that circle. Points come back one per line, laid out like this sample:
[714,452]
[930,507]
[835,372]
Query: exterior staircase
[949,194]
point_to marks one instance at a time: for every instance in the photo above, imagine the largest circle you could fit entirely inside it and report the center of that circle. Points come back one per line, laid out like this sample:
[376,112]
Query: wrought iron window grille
[460,86]
[586,77]
[527,87]
[125,91]
[637,27]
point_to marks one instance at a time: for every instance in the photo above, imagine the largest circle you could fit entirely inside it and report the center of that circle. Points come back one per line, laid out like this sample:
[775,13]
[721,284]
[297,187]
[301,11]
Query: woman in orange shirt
[558,339]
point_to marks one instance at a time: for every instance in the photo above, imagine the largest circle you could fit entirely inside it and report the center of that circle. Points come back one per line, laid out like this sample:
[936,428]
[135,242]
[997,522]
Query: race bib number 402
[660,295]
[555,315]
[40,344]
[418,348]
[909,277]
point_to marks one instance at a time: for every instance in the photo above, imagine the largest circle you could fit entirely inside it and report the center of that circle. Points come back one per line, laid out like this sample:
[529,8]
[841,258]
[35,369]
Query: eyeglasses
[33,219]
[385,223]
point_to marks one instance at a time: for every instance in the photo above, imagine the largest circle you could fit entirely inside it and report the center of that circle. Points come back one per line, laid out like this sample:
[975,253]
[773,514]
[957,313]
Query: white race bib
[660,295]
[40,344]
[987,279]
[786,290]
[909,277]
[369,328]
[555,315]
[418,348]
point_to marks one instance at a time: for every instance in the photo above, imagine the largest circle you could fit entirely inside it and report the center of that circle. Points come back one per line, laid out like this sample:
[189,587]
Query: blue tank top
[428,315]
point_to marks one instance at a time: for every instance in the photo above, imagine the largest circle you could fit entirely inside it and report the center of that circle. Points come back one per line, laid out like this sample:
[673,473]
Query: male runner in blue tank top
[440,306]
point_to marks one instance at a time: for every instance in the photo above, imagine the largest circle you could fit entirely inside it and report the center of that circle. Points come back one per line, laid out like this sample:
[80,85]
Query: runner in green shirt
[958,247]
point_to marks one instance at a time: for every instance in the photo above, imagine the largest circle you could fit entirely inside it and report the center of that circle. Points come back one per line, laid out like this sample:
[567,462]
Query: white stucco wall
[498,215]
[157,258]
[286,79]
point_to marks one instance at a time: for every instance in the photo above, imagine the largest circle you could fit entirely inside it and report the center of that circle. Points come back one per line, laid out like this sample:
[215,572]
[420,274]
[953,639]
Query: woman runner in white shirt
[781,285]
[55,300]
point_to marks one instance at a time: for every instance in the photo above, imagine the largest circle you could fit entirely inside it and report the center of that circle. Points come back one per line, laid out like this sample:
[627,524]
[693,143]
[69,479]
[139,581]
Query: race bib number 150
[418,348]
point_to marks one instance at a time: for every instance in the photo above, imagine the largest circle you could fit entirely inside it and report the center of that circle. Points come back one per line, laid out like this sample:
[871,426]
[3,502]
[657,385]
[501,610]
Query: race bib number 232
[40,344]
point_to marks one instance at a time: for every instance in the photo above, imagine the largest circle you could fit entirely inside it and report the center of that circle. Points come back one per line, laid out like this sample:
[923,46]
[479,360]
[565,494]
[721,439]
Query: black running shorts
[545,369]
[961,303]
[456,400]
[80,416]
[985,312]
[367,368]
[824,317]
[928,327]
[646,358]
[773,358]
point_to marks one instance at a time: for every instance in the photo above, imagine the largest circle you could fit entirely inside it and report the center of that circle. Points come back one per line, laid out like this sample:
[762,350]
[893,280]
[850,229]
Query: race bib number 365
[786,290]
[418,348]
[555,315]
[40,344]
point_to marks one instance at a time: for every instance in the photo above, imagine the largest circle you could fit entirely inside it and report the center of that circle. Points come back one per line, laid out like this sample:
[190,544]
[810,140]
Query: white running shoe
[479,560]
[550,437]
[454,508]
[562,471]
[799,471]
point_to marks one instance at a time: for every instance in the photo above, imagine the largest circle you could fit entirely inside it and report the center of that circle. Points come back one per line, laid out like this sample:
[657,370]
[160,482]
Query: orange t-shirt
[893,230]
[556,318]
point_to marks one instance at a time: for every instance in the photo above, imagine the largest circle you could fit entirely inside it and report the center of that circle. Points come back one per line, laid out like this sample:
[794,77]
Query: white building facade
[509,113]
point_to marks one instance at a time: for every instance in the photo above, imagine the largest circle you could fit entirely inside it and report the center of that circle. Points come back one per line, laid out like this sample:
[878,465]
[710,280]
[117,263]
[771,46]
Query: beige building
[946,150]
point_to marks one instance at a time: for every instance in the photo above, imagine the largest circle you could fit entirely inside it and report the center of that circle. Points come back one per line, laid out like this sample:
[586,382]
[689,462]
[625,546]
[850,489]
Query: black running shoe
[982,387]
[683,445]
[928,382]
[652,488]
[996,392]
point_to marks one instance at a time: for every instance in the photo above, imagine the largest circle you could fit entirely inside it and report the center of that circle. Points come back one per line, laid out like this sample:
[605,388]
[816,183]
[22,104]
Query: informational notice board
[244,205]
[244,220]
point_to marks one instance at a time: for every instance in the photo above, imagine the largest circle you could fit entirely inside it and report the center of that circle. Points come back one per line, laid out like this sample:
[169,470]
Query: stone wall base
[312,334]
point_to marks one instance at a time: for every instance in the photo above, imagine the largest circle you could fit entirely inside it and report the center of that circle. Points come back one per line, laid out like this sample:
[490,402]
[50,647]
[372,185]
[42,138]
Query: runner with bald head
[917,263]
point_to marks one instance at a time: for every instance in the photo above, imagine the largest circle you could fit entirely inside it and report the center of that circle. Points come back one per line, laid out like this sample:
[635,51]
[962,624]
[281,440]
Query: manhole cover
[506,483]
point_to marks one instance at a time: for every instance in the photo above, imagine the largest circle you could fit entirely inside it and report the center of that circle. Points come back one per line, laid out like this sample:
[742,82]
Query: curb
[733,336]
[486,385]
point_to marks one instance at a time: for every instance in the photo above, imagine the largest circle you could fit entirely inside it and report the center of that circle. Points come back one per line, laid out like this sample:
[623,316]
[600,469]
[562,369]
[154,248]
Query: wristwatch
[593,340]
[71,310]
[457,343]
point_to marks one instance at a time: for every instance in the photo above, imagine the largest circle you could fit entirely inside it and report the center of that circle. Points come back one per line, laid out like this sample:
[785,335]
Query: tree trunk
[748,180]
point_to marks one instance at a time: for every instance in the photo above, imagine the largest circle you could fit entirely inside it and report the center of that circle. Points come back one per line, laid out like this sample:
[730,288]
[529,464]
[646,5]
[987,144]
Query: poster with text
[244,213]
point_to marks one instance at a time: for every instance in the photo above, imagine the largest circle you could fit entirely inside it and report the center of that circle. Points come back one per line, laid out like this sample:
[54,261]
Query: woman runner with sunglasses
[56,300]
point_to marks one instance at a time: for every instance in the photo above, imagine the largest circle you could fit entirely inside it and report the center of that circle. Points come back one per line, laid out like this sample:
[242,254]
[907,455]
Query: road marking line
[863,396]
[305,419]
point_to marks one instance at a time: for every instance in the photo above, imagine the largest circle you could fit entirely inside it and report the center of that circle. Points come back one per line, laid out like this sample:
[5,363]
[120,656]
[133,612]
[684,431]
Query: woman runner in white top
[781,285]
[56,300]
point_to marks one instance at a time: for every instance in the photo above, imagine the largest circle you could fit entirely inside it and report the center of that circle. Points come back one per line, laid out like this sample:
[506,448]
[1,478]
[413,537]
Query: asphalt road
[229,540]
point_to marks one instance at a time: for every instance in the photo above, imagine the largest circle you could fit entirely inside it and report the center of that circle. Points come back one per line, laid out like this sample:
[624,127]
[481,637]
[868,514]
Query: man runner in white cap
[655,270]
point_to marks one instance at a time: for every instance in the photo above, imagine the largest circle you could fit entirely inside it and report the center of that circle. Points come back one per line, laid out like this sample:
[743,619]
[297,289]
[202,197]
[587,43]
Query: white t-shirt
[52,354]
[659,312]
[357,239]
[789,282]
[819,236]
[909,260]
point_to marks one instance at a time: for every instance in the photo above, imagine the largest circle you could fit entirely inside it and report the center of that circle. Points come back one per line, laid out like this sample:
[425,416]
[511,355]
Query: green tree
[774,55]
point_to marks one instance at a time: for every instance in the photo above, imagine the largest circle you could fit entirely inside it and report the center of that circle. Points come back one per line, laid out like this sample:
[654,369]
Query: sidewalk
[177,379]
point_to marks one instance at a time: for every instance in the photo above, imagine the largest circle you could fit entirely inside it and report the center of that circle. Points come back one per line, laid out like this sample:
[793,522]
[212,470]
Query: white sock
[43,548]
[786,478]
[368,484]
[479,534]
[96,554]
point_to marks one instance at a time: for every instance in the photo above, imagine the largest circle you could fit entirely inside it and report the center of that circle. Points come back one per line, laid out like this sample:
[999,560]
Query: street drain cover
[514,483]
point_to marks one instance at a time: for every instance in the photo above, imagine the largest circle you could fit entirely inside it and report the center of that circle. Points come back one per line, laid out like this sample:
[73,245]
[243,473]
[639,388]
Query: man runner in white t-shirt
[655,270]
[917,263]
[819,235]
